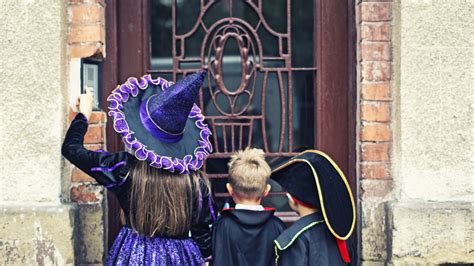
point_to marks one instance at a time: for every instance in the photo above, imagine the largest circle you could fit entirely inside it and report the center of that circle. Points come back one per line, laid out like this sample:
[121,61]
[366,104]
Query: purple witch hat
[160,122]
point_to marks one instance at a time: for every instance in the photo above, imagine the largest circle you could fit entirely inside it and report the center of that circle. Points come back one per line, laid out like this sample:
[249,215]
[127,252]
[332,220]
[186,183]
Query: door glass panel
[261,85]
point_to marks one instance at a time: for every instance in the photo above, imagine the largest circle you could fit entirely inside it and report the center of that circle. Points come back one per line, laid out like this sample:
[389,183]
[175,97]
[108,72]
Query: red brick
[376,91]
[85,50]
[375,132]
[86,33]
[85,193]
[376,71]
[375,151]
[86,14]
[94,135]
[375,112]
[95,118]
[375,51]
[375,32]
[80,176]
[375,11]
[374,171]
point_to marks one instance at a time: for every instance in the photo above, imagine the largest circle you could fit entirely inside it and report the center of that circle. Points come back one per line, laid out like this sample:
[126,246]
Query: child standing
[163,195]
[319,193]
[244,235]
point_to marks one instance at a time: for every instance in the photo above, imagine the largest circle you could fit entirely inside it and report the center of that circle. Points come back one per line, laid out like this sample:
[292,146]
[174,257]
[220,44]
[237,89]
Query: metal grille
[264,78]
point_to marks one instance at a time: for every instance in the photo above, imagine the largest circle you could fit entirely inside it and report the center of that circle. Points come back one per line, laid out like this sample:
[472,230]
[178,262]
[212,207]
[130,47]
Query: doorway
[281,75]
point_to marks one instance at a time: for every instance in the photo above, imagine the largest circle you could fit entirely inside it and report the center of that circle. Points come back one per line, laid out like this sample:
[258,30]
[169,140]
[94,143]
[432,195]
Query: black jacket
[245,237]
[308,242]
[112,171]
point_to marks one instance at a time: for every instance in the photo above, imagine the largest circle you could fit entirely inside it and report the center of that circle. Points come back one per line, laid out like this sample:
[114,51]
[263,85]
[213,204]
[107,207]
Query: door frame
[127,54]
[123,19]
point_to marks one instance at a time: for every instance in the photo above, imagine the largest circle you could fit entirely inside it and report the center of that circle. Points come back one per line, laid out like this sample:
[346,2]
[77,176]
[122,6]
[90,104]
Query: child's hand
[84,103]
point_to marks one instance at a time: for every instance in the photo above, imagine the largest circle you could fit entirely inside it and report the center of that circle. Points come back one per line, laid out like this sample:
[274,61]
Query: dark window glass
[261,85]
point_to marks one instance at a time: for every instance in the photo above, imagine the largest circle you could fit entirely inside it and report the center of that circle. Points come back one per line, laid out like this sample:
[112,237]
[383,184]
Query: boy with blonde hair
[244,235]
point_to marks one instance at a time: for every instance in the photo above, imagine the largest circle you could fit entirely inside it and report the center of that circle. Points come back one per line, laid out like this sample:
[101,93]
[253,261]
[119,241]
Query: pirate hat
[313,178]
[160,122]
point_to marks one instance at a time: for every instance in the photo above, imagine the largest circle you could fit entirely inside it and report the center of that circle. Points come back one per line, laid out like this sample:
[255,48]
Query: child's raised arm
[110,170]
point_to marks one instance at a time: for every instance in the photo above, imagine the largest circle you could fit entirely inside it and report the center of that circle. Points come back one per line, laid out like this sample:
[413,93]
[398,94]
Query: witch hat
[161,123]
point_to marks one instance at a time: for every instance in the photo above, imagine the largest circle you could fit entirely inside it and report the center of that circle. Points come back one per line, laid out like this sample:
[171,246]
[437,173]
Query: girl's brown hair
[161,202]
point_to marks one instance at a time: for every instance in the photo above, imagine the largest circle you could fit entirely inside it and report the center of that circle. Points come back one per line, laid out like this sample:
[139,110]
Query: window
[260,90]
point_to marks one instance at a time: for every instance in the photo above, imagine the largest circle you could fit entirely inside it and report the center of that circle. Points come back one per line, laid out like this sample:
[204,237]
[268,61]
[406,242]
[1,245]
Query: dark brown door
[280,74]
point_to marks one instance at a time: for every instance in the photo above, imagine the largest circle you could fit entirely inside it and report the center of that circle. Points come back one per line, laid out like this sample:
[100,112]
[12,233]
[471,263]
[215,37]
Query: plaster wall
[36,235]
[436,100]
[35,227]
[32,69]
[430,220]
[432,233]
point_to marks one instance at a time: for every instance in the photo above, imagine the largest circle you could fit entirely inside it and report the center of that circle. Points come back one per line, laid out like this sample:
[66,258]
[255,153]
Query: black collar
[290,234]
[249,217]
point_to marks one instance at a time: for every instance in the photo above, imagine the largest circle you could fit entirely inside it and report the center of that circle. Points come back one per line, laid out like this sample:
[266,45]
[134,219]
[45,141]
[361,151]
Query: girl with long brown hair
[164,197]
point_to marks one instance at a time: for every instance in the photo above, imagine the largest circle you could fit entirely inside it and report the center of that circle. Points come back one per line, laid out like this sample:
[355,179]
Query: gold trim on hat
[316,178]
[154,123]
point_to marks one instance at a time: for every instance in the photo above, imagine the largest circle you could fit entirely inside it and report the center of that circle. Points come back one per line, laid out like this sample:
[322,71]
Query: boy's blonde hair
[249,172]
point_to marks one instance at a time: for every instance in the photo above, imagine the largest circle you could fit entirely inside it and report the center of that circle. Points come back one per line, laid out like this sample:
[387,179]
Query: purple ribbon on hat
[153,128]
[164,116]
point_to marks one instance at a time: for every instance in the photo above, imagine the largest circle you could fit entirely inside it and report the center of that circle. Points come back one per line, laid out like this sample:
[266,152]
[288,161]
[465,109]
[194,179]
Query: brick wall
[90,200]
[375,140]
[86,37]
[86,28]
[84,189]
[375,100]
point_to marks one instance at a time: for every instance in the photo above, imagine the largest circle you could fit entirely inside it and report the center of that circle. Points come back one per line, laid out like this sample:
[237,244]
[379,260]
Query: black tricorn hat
[314,179]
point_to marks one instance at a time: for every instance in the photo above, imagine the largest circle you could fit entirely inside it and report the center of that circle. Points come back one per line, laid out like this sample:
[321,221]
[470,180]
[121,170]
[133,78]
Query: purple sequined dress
[112,171]
[132,249]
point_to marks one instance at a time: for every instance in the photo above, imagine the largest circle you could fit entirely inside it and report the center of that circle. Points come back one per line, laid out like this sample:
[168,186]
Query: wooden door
[281,74]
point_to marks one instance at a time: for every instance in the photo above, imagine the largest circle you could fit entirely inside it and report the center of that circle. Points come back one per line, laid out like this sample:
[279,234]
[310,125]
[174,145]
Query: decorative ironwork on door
[260,57]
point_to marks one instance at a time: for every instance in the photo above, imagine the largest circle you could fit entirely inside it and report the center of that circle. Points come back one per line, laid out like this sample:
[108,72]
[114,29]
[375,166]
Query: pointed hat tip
[202,73]
[171,108]
[198,77]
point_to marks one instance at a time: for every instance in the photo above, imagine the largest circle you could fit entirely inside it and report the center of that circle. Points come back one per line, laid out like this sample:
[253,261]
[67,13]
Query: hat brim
[297,179]
[183,156]
[333,191]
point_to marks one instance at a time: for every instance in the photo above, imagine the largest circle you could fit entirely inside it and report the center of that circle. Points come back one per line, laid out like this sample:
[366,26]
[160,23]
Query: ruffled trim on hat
[122,93]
